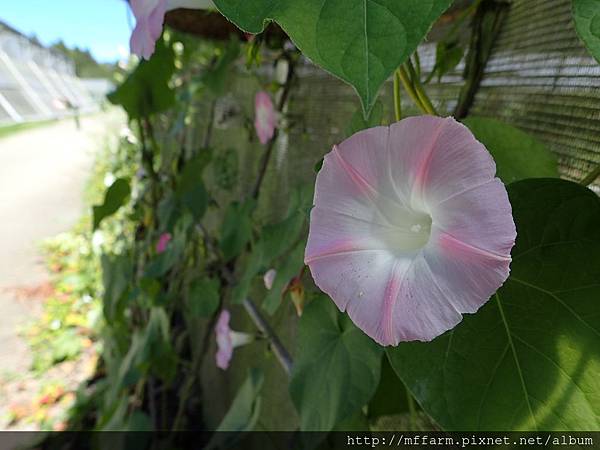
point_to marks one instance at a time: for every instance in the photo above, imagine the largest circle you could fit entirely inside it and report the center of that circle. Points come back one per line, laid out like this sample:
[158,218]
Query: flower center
[410,231]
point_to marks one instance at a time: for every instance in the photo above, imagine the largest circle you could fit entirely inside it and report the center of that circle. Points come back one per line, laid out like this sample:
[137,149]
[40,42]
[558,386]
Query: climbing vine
[509,294]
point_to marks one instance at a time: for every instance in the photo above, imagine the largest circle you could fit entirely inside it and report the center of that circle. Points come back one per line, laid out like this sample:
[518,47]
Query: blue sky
[101,26]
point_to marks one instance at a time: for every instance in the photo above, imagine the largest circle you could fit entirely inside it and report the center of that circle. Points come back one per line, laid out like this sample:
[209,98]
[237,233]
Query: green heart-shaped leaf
[517,154]
[530,358]
[115,196]
[337,369]
[360,41]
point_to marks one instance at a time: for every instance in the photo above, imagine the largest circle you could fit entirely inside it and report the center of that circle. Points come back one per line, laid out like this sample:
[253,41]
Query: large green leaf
[236,231]
[146,90]
[242,415]
[337,368]
[190,188]
[203,299]
[274,244]
[586,14]
[530,358]
[116,196]
[360,41]
[359,122]
[517,154]
[390,397]
[117,271]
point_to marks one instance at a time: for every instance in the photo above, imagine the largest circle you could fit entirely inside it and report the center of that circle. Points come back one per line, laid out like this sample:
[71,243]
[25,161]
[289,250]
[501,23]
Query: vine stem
[263,326]
[281,353]
[589,179]
[414,89]
[408,87]
[280,107]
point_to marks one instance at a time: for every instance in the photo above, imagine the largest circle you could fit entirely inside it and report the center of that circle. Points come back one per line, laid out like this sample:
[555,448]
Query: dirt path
[42,176]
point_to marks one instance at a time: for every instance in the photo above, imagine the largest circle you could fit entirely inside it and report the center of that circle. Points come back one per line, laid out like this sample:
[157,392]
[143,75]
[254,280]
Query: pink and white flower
[269,278]
[150,17]
[228,340]
[163,242]
[410,228]
[264,120]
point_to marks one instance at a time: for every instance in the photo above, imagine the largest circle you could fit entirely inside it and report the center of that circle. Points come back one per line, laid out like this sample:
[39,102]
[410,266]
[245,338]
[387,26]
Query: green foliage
[116,196]
[528,359]
[518,155]
[116,276]
[275,242]
[219,77]
[85,64]
[337,367]
[70,318]
[160,264]
[358,121]
[360,41]
[190,190]
[237,228]
[391,397]
[289,268]
[448,55]
[204,297]
[243,412]
[586,14]
[146,90]
[225,168]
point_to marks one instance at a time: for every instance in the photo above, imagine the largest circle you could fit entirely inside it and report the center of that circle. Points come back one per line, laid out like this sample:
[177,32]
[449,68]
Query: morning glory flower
[150,17]
[163,242]
[228,340]
[264,120]
[410,228]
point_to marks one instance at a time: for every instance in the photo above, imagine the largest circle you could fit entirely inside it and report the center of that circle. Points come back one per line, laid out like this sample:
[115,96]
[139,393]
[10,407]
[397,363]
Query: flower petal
[356,281]
[156,19]
[437,158]
[143,8]
[466,276]
[480,218]
[269,278]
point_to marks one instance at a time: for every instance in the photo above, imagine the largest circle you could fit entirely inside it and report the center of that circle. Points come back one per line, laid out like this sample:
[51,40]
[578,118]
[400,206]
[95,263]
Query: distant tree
[85,64]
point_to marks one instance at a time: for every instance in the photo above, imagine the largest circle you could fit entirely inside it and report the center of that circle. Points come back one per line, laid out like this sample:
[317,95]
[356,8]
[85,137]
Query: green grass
[18,127]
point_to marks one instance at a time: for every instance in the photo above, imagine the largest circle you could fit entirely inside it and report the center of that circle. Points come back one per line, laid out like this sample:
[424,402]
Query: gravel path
[42,176]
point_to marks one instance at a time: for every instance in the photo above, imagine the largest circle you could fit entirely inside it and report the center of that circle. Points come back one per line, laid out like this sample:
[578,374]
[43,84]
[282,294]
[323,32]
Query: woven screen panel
[542,79]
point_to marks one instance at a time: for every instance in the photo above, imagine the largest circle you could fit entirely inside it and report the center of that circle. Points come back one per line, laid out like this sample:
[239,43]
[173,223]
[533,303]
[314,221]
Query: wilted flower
[296,290]
[228,340]
[410,228]
[269,278]
[264,120]
[163,242]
